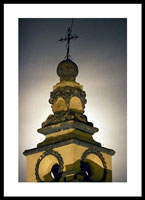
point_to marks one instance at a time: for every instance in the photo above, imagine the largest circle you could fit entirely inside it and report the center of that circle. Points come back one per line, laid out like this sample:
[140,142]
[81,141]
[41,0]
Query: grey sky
[101,55]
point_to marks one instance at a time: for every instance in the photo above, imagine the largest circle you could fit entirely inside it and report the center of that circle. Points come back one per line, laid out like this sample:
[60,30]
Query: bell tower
[69,153]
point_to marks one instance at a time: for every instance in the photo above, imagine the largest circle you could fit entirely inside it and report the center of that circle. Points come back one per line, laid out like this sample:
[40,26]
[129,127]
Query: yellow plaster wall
[70,153]
[31,161]
[63,132]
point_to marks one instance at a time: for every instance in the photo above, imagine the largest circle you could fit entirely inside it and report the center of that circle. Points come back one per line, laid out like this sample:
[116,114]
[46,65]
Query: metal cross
[68,37]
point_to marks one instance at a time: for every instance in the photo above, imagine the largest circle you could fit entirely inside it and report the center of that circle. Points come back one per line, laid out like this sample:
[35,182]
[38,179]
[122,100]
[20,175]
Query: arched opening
[85,167]
[84,174]
[96,167]
[54,171]
[45,167]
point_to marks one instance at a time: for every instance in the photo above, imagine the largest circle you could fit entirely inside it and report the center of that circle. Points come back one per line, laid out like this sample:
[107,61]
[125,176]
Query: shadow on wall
[80,171]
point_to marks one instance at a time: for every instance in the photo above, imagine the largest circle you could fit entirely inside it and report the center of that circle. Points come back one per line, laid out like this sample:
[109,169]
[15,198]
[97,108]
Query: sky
[101,55]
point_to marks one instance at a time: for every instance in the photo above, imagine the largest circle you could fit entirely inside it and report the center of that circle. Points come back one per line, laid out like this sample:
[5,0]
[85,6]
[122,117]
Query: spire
[68,38]
[69,152]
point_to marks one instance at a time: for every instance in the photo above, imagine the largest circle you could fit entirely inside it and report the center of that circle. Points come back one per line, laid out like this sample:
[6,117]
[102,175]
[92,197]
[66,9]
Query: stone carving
[67,93]
[65,116]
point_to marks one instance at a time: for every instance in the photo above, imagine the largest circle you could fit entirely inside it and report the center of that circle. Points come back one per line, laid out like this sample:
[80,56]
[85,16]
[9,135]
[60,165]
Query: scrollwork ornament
[67,93]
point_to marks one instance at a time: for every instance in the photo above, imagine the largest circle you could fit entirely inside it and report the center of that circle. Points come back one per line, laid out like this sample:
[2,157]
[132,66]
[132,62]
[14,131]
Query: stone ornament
[67,70]
[67,93]
[65,116]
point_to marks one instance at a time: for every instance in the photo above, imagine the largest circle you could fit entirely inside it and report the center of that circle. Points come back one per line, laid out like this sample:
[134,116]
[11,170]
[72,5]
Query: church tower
[69,153]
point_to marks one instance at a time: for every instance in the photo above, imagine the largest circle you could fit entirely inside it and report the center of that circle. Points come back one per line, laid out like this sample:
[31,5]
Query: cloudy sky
[101,55]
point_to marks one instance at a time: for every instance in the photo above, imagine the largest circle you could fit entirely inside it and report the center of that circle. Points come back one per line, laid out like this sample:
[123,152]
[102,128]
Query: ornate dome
[67,70]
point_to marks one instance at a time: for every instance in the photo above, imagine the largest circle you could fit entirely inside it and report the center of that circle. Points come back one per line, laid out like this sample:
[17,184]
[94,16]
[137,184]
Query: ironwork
[68,38]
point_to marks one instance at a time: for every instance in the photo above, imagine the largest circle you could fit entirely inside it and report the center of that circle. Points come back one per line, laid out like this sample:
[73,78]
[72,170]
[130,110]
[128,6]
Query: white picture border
[12,12]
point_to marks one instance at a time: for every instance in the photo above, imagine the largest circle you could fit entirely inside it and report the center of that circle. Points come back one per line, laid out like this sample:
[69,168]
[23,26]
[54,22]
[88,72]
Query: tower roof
[67,70]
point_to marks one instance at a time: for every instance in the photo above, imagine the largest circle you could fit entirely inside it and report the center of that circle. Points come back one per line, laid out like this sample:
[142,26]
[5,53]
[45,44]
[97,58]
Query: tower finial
[67,38]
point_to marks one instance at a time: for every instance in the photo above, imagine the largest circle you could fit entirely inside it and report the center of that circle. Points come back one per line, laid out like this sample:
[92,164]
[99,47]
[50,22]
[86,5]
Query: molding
[74,134]
[66,125]
[67,142]
[63,116]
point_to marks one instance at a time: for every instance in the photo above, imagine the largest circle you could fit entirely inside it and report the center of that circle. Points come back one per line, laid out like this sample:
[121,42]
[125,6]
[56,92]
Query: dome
[67,70]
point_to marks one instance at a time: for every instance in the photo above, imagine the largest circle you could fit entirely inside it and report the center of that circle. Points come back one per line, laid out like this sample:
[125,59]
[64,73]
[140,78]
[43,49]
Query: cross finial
[68,37]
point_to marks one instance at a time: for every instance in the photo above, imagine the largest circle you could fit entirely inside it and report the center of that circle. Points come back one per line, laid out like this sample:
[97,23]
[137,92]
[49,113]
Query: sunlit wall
[101,55]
